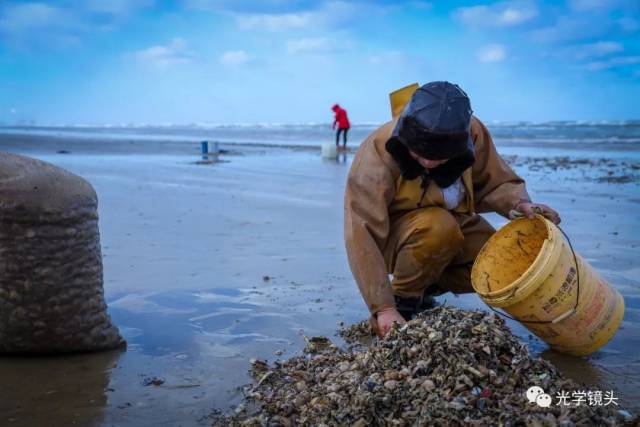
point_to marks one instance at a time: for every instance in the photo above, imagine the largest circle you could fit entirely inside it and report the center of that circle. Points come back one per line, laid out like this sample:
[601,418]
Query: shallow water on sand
[208,266]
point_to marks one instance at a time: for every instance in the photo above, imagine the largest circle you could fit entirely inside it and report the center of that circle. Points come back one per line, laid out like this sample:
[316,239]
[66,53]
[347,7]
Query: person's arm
[335,120]
[369,191]
[497,188]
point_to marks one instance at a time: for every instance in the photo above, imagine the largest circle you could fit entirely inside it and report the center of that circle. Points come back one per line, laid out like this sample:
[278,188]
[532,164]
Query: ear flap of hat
[409,167]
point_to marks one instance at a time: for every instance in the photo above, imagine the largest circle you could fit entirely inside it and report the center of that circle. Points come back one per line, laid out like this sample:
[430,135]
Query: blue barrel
[205,147]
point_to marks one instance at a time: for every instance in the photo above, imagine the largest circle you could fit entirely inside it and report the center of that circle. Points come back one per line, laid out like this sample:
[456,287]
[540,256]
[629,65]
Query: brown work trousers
[432,249]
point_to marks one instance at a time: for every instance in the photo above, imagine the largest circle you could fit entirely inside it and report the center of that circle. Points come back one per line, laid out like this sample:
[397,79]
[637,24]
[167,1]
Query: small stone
[360,423]
[333,388]
[391,375]
[481,404]
[428,385]
[624,413]
[343,366]
[334,397]
[390,384]
[456,405]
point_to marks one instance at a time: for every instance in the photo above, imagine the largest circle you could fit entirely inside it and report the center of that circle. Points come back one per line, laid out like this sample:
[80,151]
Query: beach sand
[209,265]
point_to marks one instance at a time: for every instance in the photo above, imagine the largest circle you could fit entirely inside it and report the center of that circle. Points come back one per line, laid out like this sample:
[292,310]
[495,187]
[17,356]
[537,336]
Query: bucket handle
[563,315]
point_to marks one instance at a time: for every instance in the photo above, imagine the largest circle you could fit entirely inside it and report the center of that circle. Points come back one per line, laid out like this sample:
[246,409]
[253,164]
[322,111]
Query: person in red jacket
[342,121]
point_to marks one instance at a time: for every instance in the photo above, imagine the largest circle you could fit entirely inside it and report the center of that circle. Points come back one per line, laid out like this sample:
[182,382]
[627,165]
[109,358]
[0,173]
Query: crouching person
[412,200]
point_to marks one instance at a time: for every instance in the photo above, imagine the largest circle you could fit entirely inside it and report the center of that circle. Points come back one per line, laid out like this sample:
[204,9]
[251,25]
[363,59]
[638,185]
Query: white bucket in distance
[329,151]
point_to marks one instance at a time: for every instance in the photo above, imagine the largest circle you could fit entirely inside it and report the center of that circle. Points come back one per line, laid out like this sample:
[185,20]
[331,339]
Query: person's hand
[385,320]
[529,210]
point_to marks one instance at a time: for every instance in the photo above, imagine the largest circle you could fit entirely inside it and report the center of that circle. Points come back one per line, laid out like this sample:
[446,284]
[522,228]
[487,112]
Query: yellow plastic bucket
[528,269]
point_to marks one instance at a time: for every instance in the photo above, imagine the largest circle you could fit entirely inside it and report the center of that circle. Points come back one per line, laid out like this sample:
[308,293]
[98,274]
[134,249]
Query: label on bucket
[604,322]
[563,292]
[594,307]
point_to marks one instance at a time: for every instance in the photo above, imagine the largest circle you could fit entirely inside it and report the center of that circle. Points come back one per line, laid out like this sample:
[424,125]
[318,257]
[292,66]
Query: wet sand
[210,265]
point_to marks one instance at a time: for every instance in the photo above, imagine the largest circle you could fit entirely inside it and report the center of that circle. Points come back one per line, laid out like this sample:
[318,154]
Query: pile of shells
[447,367]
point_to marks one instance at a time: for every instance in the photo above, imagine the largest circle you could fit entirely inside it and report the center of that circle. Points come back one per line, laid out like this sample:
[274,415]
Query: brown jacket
[377,193]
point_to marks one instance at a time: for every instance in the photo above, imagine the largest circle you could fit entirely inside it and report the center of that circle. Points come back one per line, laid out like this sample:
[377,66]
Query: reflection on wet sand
[601,375]
[60,390]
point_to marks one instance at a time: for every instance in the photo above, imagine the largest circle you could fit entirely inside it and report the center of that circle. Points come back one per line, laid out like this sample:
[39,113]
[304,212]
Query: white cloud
[390,57]
[597,66]
[341,14]
[570,28]
[599,49]
[274,22]
[317,45]
[331,14]
[176,52]
[588,4]
[492,53]
[249,6]
[590,20]
[60,24]
[616,62]
[597,5]
[114,7]
[234,58]
[508,13]
[424,5]
[30,16]
[308,45]
[27,24]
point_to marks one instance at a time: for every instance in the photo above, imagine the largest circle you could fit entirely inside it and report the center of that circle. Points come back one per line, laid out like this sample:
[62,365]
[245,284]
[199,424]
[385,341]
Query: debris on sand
[603,170]
[617,179]
[147,381]
[358,333]
[447,367]
[319,345]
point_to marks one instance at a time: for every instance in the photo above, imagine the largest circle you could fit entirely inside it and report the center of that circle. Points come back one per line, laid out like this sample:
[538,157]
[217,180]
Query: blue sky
[221,61]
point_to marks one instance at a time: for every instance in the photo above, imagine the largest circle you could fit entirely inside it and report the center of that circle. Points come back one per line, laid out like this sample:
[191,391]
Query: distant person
[342,121]
[412,200]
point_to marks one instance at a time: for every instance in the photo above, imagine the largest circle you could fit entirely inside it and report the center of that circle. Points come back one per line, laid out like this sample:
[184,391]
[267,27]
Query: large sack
[51,294]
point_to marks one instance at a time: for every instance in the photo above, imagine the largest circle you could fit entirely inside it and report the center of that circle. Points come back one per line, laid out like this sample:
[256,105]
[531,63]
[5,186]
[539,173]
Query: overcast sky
[221,61]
